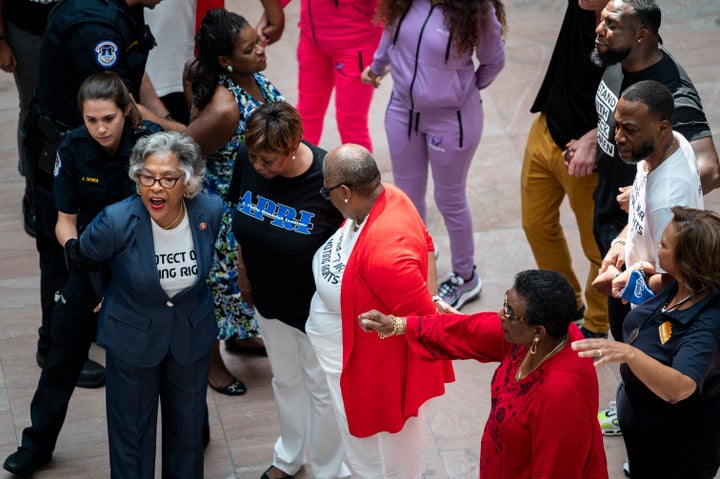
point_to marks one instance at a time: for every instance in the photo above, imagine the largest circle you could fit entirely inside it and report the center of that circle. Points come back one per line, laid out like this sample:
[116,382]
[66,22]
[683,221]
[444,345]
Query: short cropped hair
[182,146]
[549,300]
[647,13]
[274,127]
[655,95]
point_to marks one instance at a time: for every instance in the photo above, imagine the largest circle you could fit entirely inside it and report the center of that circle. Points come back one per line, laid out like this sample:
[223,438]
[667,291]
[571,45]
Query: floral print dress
[233,315]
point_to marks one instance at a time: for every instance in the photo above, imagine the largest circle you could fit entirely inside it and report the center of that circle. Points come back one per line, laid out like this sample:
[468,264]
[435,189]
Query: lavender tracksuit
[435,113]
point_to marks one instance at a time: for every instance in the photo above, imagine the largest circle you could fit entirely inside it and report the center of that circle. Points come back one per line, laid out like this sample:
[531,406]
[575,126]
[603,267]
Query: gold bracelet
[397,327]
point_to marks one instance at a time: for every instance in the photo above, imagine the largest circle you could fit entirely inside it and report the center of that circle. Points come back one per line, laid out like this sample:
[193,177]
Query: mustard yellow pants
[544,184]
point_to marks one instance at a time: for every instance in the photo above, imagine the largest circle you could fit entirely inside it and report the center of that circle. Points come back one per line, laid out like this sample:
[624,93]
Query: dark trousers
[616,315]
[131,397]
[74,327]
[53,272]
[670,441]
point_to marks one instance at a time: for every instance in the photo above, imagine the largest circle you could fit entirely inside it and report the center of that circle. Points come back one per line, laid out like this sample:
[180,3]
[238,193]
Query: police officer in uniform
[83,37]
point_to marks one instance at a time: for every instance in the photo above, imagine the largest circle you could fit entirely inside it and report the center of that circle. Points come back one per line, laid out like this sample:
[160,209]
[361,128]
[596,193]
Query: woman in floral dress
[228,86]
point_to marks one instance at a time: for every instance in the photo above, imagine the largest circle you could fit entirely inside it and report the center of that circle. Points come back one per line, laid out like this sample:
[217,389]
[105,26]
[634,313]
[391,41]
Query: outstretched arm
[666,382]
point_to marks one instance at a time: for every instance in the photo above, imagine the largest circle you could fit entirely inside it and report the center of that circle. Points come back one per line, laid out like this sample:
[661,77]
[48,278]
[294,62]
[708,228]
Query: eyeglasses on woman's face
[507,312]
[167,182]
[325,192]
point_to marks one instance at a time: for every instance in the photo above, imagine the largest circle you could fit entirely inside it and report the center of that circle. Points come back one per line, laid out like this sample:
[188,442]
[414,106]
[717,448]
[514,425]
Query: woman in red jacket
[379,258]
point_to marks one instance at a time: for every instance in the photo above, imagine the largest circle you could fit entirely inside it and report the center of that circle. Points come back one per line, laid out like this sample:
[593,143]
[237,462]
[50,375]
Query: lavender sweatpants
[445,139]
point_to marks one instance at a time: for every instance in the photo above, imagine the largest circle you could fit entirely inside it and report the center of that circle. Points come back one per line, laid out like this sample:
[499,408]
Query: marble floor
[243,429]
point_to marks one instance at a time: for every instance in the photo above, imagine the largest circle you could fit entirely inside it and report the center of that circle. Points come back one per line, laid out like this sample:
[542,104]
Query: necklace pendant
[665,332]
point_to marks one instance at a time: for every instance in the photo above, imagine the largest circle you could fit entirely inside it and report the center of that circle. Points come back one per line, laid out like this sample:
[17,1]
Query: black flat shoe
[23,462]
[235,388]
[265,474]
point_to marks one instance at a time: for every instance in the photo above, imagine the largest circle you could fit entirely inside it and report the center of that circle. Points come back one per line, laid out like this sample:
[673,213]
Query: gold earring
[533,348]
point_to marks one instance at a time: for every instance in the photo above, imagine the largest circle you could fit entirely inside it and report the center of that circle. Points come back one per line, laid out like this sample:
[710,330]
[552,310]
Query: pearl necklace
[177,219]
[519,375]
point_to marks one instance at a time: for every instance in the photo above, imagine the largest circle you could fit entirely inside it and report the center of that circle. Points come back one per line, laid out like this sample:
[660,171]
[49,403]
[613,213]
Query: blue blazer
[138,322]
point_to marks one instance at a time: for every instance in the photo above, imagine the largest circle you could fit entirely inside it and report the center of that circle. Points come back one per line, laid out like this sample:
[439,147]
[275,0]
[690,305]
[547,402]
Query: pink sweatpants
[319,73]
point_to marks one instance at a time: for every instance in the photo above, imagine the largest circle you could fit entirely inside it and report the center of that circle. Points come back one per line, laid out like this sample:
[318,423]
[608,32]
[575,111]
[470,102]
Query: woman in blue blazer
[157,322]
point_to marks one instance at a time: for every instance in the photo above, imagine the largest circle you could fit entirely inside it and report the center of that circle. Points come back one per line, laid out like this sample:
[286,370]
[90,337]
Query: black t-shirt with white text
[688,119]
[279,224]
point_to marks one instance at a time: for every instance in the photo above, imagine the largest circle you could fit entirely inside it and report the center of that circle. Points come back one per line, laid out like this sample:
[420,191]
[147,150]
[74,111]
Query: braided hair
[216,37]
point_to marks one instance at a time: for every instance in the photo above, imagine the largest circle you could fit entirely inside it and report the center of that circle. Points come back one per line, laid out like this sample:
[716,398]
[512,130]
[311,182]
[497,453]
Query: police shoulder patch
[58,165]
[106,53]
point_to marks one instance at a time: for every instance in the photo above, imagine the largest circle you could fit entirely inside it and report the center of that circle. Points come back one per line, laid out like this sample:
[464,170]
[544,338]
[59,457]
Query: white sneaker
[609,421]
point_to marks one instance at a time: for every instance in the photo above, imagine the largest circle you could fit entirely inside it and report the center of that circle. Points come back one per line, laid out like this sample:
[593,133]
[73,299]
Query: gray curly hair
[184,148]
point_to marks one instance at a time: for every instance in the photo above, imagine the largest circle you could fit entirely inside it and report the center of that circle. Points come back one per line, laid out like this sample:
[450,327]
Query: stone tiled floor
[244,429]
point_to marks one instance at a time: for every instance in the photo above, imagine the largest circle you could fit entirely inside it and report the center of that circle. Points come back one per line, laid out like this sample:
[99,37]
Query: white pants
[382,455]
[303,403]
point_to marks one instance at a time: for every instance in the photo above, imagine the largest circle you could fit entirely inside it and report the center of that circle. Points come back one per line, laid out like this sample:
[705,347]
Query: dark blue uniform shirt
[693,347]
[84,37]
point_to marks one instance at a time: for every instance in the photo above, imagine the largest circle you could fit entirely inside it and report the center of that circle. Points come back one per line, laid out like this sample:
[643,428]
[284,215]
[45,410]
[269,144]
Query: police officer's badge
[106,53]
[58,165]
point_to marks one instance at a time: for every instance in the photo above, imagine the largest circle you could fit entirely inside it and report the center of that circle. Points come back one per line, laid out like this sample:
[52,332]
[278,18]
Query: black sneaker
[455,291]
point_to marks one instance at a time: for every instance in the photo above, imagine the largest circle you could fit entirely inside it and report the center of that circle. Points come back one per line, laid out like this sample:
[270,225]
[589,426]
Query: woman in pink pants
[337,41]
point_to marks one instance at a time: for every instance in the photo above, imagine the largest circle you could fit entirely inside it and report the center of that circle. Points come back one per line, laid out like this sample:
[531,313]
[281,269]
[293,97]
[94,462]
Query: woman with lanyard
[668,403]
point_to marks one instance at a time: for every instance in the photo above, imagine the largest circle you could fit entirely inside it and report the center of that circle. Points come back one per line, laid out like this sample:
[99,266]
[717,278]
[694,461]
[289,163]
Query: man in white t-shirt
[667,176]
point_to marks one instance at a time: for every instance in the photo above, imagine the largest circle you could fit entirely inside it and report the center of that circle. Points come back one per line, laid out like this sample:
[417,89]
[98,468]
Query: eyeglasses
[167,182]
[325,192]
[507,312]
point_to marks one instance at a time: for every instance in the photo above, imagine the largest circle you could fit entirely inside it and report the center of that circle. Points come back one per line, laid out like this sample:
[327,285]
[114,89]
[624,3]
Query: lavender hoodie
[427,71]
